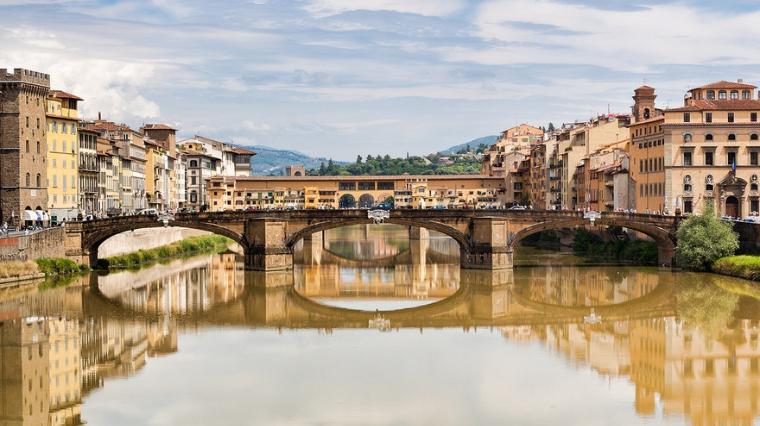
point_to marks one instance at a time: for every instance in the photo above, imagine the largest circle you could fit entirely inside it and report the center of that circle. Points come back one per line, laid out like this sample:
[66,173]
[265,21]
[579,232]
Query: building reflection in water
[688,343]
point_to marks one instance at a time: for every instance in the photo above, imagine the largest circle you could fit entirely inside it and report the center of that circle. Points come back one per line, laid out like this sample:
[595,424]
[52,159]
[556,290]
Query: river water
[374,328]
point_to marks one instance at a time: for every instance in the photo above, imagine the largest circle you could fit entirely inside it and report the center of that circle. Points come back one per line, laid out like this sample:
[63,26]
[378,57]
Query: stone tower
[23,143]
[643,106]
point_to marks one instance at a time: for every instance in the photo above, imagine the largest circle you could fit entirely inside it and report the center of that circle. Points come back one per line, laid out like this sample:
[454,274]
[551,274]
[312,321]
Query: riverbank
[12,272]
[590,248]
[742,266]
[180,249]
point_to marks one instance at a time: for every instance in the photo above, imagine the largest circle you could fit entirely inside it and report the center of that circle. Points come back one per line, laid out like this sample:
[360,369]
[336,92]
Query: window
[731,158]
[708,117]
[734,94]
[687,158]
[55,181]
[687,208]
[722,94]
[711,94]
[192,180]
[730,117]
[709,183]
[38,147]
[27,146]
[708,158]
[687,183]
[753,158]
[731,137]
[708,137]
[687,137]
[753,137]
[193,163]
[39,180]
[686,117]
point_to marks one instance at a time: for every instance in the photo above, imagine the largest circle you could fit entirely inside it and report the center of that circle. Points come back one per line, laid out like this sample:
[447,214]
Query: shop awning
[30,215]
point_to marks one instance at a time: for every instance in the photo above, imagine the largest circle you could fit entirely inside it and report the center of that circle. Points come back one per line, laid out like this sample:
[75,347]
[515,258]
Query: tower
[23,144]
[643,106]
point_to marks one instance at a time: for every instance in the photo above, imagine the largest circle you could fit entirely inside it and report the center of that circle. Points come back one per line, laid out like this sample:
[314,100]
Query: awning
[30,215]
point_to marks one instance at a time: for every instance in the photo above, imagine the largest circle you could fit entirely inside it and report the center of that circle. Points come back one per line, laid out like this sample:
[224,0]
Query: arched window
[734,94]
[687,183]
[722,94]
[39,180]
[646,113]
[193,163]
[709,137]
[746,94]
[709,183]
[710,94]
[753,137]
[193,197]
[753,183]
[28,180]
[38,147]
[731,137]
[687,137]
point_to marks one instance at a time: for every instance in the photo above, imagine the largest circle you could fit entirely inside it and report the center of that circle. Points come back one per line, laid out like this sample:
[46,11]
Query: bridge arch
[454,233]
[91,243]
[662,237]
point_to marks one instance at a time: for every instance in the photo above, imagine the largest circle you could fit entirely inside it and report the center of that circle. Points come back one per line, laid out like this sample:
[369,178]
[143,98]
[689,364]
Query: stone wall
[45,243]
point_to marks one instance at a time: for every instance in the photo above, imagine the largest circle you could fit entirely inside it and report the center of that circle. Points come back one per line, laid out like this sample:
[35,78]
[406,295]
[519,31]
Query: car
[517,207]
[148,212]
[384,206]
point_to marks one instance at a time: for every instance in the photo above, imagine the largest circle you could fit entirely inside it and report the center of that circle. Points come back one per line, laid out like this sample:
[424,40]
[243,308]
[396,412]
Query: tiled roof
[723,104]
[63,95]
[158,127]
[726,85]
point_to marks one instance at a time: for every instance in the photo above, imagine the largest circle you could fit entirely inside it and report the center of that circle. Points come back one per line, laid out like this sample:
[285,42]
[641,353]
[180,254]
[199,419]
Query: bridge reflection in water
[688,341]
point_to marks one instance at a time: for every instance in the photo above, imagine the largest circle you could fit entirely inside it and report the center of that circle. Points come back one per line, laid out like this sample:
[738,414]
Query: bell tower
[643,103]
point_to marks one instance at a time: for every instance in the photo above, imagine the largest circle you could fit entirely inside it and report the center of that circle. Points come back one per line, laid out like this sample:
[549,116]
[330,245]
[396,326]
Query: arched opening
[732,206]
[366,201]
[298,173]
[347,201]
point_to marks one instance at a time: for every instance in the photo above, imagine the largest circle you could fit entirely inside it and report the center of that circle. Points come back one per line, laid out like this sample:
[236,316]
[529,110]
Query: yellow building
[62,156]
[330,192]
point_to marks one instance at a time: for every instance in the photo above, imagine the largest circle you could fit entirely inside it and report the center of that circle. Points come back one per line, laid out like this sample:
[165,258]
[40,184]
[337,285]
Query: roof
[240,151]
[725,85]
[158,126]
[63,95]
[716,104]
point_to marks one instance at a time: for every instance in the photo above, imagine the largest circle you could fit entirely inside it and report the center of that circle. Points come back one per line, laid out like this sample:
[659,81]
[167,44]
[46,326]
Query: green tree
[550,128]
[358,159]
[703,239]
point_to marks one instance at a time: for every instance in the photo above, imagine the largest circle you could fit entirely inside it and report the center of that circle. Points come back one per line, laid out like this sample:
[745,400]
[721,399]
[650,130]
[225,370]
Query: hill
[272,161]
[486,140]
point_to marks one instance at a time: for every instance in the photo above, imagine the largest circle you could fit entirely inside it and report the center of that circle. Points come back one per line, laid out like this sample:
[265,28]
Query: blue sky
[345,77]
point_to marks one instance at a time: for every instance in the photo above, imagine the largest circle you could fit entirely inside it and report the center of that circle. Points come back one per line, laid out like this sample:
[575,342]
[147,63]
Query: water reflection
[669,346]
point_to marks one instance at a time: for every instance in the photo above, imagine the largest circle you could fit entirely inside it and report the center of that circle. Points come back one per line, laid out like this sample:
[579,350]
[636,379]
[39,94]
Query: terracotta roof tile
[726,85]
[723,104]
[63,95]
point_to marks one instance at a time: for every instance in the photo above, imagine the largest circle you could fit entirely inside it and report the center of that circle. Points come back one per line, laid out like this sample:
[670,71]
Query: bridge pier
[666,255]
[488,247]
[267,249]
[312,249]
[418,233]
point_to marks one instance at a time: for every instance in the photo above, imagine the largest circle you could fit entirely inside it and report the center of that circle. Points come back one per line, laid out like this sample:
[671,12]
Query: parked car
[148,212]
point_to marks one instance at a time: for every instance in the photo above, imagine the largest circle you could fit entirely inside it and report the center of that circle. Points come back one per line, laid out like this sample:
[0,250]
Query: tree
[358,159]
[550,128]
[703,239]
[322,168]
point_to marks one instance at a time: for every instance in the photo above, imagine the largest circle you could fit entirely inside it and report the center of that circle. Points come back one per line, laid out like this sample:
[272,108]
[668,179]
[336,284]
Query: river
[372,327]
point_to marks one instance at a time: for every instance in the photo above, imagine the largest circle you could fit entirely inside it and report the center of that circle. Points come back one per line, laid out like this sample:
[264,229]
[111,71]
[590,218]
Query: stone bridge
[486,237]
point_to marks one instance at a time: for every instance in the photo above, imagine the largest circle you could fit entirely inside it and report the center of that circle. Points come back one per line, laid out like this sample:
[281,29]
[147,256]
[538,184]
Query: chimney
[98,115]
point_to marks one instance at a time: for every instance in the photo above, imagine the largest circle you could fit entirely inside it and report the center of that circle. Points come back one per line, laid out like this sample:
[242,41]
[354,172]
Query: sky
[337,78]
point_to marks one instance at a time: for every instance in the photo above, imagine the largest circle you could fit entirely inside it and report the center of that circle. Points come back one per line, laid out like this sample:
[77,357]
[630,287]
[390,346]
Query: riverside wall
[45,243]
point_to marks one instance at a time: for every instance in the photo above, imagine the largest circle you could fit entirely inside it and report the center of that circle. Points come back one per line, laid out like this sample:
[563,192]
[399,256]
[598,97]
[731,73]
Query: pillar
[267,249]
[266,298]
[418,233]
[488,247]
[666,254]
[312,249]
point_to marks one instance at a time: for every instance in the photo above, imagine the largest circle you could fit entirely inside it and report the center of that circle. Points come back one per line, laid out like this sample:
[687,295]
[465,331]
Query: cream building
[62,156]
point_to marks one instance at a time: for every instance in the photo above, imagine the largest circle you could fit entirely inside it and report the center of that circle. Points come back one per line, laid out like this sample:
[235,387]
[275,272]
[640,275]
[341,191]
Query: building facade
[23,146]
[89,168]
[62,156]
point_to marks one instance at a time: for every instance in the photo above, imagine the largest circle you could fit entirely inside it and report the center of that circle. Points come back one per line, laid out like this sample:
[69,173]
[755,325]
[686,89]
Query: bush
[187,247]
[703,239]
[59,266]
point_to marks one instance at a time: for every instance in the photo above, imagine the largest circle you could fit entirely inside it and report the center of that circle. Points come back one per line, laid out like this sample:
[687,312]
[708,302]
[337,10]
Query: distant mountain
[272,161]
[488,140]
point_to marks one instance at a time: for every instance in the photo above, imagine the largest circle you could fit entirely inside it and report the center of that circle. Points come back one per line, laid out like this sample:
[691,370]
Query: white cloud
[255,127]
[418,7]
[639,39]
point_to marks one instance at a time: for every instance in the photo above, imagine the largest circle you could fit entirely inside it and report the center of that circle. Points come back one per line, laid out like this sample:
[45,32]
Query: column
[312,249]
[267,249]
[488,247]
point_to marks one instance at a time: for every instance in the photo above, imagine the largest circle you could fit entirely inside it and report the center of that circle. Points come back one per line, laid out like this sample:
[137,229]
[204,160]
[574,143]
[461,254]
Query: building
[62,156]
[161,187]
[711,148]
[89,168]
[23,146]
[206,158]
[647,153]
[328,192]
